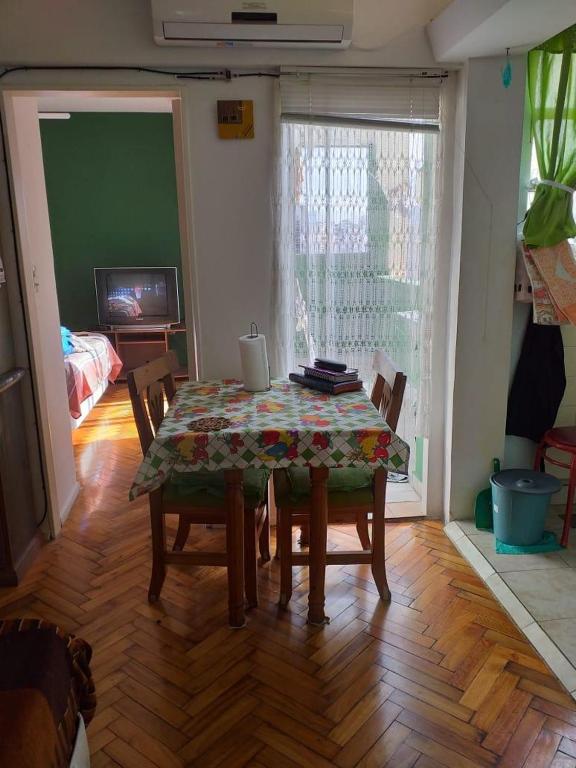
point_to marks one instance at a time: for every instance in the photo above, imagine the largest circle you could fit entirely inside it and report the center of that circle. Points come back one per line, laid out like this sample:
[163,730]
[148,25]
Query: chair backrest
[148,385]
[388,390]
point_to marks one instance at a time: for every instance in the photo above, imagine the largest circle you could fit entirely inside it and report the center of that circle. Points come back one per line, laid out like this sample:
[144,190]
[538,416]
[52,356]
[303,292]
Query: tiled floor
[403,501]
[538,591]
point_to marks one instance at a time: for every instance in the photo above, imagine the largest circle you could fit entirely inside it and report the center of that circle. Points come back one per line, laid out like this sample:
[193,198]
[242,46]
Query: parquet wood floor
[441,677]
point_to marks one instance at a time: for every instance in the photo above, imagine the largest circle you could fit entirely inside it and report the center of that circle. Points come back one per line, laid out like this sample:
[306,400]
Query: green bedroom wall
[111,186]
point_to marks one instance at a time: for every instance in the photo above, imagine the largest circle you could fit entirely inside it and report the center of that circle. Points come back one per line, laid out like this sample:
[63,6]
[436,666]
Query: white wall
[519,451]
[481,319]
[232,221]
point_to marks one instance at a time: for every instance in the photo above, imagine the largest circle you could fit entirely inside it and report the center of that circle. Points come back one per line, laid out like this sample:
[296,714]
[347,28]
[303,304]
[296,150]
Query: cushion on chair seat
[208,489]
[347,486]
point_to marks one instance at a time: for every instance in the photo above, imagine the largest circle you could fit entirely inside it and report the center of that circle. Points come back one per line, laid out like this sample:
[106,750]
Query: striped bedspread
[94,363]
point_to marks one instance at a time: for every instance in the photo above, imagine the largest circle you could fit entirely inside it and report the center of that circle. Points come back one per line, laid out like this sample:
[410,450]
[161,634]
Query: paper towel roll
[255,370]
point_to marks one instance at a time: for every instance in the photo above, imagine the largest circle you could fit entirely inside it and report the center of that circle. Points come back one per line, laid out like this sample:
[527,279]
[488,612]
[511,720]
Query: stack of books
[328,376]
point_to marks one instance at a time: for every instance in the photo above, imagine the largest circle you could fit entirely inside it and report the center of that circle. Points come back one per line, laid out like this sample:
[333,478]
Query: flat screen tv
[137,296]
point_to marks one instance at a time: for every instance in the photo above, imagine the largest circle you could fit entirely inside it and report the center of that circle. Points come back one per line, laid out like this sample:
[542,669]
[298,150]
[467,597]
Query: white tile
[546,594]
[453,531]
[558,663]
[475,557]
[398,492]
[569,557]
[563,761]
[468,526]
[563,633]
[509,601]
[483,540]
[506,563]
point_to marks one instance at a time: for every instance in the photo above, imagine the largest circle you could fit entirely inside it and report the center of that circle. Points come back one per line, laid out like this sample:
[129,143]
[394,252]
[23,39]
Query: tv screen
[137,296]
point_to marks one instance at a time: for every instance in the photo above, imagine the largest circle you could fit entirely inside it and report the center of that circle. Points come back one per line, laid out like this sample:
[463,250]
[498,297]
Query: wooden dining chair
[351,491]
[195,497]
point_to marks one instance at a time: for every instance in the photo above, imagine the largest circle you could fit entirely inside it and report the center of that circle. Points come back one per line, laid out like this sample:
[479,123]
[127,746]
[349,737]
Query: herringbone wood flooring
[441,677]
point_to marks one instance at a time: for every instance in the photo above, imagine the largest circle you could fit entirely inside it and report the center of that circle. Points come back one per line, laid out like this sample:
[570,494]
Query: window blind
[374,99]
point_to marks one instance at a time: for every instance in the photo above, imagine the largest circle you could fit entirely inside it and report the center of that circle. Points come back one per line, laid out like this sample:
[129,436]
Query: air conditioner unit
[261,23]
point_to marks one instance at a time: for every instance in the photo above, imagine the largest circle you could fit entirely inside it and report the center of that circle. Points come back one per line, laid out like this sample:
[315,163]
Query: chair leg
[264,540]
[569,503]
[284,533]
[304,539]
[181,534]
[250,564]
[235,546]
[379,534]
[363,531]
[158,546]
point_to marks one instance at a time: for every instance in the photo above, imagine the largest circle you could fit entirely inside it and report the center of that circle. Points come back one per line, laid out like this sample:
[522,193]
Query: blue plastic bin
[520,502]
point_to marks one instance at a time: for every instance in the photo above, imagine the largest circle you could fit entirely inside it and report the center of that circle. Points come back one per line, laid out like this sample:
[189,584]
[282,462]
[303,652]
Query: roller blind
[375,98]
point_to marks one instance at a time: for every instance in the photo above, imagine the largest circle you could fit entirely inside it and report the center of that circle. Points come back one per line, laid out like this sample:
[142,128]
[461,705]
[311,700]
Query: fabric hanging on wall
[552,98]
[356,226]
[539,383]
[556,267]
[544,309]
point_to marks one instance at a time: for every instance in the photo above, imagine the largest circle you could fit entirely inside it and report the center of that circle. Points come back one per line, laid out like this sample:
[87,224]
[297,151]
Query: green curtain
[552,94]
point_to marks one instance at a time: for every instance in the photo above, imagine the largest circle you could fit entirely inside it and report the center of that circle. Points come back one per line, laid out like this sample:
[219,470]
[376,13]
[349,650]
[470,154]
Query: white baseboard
[67,507]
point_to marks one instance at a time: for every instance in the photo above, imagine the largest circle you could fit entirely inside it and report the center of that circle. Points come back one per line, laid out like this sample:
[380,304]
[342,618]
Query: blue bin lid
[526,481]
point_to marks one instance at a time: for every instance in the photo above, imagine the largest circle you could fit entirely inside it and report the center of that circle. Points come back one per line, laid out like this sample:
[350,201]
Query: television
[139,297]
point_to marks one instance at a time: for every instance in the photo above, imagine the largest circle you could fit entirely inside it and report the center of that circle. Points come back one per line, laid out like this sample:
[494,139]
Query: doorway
[42,290]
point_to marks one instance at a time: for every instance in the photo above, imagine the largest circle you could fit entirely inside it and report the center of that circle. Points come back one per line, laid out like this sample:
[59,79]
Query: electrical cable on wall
[219,74]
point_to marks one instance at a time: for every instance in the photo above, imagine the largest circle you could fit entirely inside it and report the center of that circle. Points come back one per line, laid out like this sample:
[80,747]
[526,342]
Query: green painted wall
[111,186]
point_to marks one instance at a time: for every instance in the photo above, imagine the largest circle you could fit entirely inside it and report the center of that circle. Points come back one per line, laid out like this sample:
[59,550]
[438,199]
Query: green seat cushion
[208,489]
[346,486]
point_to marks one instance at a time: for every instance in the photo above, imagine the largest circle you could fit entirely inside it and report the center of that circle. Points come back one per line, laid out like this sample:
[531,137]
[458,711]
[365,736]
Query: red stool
[561,439]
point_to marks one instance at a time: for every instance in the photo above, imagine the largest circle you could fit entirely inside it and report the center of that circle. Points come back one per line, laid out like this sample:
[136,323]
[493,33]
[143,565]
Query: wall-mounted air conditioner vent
[265,23]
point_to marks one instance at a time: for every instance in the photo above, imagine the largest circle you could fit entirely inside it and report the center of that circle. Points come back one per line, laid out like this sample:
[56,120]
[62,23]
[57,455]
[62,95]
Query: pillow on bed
[67,345]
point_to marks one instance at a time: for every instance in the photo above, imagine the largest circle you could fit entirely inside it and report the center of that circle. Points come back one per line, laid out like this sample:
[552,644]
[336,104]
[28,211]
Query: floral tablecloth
[287,426]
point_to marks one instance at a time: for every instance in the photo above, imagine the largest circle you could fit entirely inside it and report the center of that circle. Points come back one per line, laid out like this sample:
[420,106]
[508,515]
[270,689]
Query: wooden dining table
[218,425]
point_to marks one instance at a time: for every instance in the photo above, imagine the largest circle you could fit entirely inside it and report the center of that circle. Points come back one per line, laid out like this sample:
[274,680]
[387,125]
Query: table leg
[235,545]
[379,534]
[318,535]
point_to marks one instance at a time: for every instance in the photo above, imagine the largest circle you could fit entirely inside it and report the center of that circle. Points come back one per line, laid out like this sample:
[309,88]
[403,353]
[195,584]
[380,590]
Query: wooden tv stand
[137,346]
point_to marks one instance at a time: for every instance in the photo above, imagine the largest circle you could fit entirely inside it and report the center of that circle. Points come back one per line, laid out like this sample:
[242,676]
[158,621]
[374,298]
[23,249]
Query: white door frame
[19,110]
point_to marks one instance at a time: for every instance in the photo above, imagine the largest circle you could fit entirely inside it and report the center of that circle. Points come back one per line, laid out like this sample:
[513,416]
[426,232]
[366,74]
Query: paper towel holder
[252,334]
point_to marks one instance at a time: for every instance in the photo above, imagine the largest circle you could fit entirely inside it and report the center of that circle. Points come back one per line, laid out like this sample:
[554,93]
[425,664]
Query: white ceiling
[476,28]
[86,102]
[378,22]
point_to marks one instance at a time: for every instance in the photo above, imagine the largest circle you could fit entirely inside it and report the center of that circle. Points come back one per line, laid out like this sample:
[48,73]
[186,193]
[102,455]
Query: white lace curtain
[356,229]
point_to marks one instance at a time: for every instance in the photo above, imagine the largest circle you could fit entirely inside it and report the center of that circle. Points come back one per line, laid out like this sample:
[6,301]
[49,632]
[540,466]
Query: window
[356,225]
[357,249]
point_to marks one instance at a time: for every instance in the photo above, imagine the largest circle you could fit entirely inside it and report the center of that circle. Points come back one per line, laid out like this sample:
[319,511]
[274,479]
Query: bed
[89,369]
[46,696]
